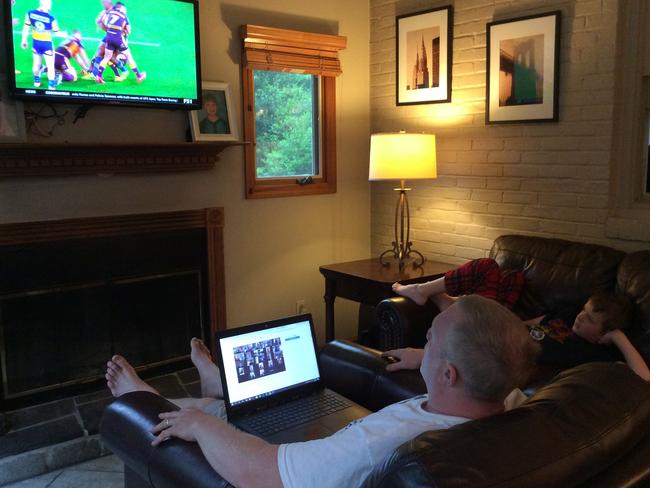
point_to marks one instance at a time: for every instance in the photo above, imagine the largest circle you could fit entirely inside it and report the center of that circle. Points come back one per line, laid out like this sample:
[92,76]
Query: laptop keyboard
[297,412]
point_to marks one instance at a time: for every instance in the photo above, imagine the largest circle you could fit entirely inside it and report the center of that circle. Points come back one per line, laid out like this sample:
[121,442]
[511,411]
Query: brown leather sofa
[588,427]
[572,432]
[558,273]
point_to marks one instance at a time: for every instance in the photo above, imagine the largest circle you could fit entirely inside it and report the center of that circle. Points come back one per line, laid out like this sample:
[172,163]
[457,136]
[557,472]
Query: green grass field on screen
[161,41]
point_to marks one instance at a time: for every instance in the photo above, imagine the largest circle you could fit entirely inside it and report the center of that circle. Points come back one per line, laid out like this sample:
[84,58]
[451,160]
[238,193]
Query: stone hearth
[52,435]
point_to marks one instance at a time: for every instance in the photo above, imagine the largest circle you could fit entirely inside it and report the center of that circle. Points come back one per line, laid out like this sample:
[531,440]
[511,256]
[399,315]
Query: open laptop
[272,385]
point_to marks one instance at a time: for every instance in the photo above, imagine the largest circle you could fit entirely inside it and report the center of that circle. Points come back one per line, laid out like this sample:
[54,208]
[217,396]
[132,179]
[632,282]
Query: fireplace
[74,292]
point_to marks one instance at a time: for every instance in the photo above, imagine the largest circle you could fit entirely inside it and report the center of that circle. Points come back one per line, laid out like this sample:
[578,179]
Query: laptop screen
[267,361]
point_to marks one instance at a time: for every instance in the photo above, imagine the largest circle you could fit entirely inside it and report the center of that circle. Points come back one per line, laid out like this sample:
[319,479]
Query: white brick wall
[548,179]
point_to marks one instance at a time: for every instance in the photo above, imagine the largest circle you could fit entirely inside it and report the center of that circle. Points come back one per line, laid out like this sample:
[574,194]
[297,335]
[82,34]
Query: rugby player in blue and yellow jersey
[43,26]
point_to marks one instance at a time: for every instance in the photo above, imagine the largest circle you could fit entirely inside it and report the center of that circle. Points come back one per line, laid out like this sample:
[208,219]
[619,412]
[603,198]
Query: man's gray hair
[490,348]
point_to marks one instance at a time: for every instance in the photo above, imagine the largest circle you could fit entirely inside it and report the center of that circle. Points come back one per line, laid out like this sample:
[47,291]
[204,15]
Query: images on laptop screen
[259,359]
[260,363]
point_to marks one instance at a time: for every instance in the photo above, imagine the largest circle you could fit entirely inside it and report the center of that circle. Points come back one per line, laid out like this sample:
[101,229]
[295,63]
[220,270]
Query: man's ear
[450,374]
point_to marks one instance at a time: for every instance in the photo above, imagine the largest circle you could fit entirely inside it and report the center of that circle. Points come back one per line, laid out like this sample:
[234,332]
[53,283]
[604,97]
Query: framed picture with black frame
[523,69]
[424,56]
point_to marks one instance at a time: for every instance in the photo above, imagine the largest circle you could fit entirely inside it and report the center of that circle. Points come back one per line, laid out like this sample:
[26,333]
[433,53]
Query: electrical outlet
[301,307]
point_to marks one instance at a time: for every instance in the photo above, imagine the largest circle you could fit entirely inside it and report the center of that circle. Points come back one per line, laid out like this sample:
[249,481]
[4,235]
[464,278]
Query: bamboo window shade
[271,49]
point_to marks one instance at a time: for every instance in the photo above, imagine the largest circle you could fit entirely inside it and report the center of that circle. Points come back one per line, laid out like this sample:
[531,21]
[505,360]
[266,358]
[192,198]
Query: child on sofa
[567,338]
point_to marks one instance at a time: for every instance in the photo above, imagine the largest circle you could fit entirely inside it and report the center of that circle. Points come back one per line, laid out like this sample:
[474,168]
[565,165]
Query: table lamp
[402,156]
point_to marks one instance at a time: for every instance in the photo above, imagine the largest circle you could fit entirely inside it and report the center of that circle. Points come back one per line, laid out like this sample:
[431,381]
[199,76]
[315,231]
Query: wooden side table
[368,282]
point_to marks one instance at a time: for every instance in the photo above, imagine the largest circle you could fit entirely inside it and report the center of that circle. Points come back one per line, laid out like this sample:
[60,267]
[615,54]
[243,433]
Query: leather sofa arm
[403,323]
[125,428]
[571,432]
[359,373]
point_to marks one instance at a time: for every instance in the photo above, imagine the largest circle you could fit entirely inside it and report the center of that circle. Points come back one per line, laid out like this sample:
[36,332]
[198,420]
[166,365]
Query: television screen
[132,52]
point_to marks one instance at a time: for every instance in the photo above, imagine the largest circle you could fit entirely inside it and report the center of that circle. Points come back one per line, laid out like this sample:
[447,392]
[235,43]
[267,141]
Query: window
[286,124]
[289,90]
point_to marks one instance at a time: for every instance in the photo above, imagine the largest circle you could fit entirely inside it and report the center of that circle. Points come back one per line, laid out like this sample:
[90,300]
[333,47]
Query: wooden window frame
[292,52]
[629,206]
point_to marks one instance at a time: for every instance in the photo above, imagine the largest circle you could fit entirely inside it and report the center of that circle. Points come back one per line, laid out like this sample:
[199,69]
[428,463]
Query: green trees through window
[286,124]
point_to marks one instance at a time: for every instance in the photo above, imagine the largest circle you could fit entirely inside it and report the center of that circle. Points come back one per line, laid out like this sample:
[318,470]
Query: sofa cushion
[558,273]
[569,431]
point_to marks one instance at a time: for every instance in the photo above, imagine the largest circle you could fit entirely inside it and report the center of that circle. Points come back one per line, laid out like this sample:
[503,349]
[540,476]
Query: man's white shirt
[347,457]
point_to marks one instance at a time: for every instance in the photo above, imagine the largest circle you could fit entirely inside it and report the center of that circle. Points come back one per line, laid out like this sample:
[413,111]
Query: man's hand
[240,458]
[181,424]
[409,358]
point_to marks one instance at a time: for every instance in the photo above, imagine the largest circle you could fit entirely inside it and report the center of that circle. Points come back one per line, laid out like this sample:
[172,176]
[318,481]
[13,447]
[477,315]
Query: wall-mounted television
[129,52]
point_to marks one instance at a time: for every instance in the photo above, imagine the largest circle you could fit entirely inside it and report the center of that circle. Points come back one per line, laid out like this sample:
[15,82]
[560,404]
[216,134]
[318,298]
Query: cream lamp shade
[402,156]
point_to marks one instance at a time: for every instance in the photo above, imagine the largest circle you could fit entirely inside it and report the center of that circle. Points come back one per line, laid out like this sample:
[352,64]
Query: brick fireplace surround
[55,423]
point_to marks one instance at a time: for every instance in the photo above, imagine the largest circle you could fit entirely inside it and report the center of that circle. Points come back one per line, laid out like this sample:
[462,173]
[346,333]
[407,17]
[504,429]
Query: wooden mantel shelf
[21,160]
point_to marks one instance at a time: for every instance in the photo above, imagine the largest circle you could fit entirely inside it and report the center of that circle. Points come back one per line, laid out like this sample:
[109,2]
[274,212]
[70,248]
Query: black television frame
[90,101]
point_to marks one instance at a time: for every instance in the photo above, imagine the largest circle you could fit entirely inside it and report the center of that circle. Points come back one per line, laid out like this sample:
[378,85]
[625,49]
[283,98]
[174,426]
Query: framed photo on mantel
[523,61]
[216,121]
[424,56]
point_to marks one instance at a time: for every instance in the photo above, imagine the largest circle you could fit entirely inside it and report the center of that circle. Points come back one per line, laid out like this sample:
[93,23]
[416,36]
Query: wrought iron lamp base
[401,250]
[402,257]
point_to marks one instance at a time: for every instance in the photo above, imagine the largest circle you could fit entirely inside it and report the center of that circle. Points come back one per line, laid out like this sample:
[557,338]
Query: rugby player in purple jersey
[116,65]
[100,20]
[43,26]
[117,27]
[99,54]
[71,48]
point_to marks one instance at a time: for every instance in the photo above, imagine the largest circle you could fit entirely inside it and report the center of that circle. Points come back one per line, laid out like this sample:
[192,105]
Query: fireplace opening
[68,305]
[57,338]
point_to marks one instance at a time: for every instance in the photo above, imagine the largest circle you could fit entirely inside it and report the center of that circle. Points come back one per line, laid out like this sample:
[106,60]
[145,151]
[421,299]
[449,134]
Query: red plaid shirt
[483,277]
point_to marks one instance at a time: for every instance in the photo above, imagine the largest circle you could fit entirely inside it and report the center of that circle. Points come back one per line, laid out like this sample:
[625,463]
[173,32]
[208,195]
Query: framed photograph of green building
[523,69]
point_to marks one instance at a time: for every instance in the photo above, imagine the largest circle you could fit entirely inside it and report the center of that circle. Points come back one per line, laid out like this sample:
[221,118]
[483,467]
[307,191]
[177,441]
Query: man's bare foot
[208,371]
[121,378]
[411,291]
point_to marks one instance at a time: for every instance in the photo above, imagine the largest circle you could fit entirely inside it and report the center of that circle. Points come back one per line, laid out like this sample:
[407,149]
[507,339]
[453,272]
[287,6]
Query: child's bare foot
[411,291]
[121,378]
[208,371]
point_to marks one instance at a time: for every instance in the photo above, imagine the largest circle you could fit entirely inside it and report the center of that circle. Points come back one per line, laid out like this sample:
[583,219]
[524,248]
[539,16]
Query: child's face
[210,107]
[589,324]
